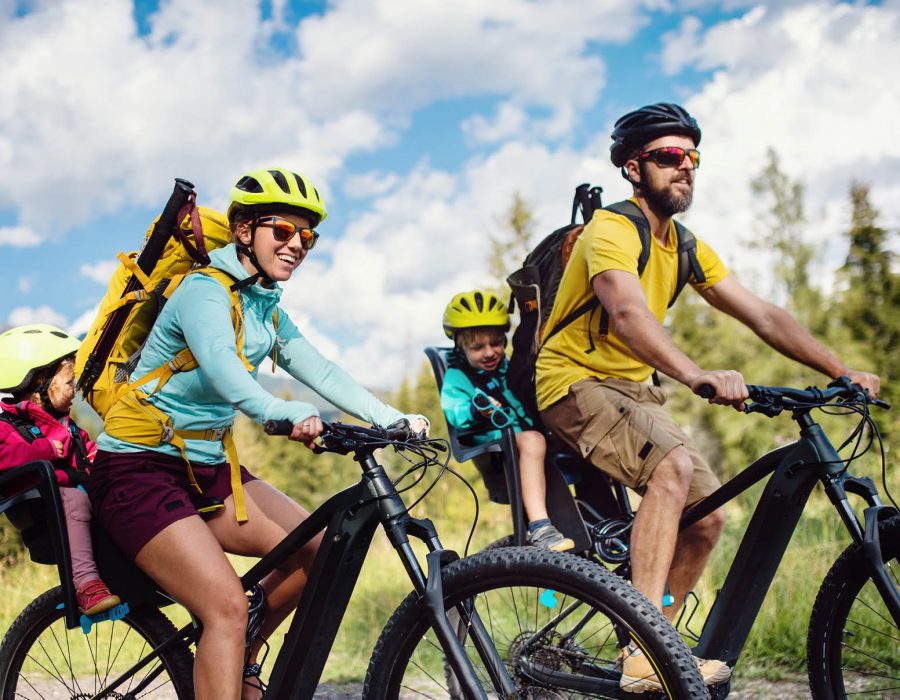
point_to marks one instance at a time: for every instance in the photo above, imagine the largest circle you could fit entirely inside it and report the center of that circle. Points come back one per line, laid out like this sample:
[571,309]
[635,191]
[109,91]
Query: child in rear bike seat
[37,368]
[475,395]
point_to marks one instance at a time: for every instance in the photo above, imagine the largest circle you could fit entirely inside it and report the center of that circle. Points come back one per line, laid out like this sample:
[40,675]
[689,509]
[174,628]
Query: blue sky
[419,120]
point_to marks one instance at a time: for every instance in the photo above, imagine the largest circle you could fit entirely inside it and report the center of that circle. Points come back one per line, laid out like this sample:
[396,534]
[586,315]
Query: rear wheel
[853,647]
[557,622]
[41,658]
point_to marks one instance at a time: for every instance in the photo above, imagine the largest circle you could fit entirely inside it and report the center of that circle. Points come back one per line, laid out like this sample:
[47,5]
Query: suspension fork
[866,535]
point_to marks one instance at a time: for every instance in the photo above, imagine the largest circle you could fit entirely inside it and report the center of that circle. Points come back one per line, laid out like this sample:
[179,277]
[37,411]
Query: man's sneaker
[548,537]
[94,597]
[713,671]
[639,677]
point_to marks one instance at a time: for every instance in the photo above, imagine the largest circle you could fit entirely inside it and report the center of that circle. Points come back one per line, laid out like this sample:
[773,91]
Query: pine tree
[508,251]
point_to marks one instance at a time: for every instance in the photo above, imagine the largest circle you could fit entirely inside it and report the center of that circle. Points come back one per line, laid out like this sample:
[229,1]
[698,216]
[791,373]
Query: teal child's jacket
[457,393]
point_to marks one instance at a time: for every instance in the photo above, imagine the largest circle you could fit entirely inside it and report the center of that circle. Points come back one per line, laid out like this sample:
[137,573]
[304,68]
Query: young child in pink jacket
[37,367]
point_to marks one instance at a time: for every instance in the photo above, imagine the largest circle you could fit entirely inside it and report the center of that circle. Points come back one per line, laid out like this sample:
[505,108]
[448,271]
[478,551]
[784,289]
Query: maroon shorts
[136,495]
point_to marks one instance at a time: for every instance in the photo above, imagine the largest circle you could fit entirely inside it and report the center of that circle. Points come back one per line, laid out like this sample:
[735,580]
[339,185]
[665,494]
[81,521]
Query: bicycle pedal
[116,613]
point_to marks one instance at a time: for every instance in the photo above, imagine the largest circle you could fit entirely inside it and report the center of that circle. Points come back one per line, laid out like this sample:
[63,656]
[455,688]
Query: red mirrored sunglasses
[672,156]
[284,230]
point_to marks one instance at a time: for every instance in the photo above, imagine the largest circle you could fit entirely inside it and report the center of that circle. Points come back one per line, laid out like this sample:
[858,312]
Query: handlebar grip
[280,426]
[706,391]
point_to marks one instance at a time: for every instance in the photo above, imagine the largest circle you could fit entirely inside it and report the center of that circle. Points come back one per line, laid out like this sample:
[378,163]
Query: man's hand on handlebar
[728,386]
[869,382]
[307,430]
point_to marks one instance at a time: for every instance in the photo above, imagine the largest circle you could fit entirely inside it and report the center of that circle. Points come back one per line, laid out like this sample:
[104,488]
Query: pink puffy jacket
[15,450]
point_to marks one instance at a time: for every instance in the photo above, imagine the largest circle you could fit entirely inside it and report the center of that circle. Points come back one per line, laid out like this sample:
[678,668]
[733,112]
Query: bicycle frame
[795,469]
[349,520]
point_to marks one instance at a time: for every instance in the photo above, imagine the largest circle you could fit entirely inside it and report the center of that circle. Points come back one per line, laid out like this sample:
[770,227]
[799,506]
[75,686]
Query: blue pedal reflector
[116,613]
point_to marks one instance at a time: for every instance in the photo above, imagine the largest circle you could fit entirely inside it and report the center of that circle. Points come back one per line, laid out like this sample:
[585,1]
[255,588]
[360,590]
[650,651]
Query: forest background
[855,312]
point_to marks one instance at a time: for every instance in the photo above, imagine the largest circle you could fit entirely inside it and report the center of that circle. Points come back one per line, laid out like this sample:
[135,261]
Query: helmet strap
[251,256]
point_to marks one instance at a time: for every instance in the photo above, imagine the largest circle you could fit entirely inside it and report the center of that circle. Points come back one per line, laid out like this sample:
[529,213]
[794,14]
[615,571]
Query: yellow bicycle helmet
[26,349]
[260,189]
[475,309]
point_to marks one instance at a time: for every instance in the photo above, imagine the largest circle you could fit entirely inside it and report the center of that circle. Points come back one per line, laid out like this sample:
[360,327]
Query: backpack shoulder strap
[688,264]
[237,311]
[633,213]
[27,429]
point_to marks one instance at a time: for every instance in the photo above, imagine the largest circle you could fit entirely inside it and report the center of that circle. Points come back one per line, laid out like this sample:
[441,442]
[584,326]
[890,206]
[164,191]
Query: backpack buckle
[217,433]
[168,433]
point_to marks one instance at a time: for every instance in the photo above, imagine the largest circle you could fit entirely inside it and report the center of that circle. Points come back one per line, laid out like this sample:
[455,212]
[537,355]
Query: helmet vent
[492,303]
[59,334]
[280,180]
[465,303]
[34,330]
[479,301]
[249,184]
[302,185]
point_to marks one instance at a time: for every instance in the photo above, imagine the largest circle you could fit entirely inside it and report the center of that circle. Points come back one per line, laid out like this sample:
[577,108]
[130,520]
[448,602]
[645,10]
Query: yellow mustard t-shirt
[609,242]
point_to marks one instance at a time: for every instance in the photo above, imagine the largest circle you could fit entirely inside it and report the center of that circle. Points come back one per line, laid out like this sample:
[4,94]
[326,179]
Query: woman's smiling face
[278,260]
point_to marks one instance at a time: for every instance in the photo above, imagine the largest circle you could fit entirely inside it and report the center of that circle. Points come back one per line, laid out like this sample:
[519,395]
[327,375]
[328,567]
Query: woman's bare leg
[188,562]
[272,515]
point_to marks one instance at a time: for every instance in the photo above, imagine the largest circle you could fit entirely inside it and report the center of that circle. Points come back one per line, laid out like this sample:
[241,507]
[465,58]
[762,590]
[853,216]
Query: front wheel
[853,647]
[557,622]
[41,658]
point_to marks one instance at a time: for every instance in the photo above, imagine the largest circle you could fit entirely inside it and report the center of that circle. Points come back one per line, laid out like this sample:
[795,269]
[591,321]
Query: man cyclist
[594,389]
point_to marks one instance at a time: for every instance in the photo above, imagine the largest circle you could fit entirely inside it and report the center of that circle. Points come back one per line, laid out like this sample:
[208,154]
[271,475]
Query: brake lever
[767,409]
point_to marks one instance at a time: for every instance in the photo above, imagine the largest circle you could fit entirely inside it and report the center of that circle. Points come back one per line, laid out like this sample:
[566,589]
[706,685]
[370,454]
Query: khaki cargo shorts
[622,429]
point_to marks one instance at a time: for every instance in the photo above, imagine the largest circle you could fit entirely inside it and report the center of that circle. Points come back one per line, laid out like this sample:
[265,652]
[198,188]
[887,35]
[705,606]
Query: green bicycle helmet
[25,350]
[475,309]
[261,189]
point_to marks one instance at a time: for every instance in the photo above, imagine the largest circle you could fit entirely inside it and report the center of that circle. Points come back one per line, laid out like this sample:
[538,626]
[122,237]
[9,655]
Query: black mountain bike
[853,644]
[507,623]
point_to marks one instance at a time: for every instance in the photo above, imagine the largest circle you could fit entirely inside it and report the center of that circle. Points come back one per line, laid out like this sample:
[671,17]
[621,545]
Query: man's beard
[667,200]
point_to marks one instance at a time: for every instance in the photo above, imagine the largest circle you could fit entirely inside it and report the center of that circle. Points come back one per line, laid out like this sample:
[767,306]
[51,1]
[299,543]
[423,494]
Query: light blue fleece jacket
[198,315]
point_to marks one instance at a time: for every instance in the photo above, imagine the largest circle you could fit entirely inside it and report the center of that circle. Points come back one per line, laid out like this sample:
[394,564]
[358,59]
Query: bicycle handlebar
[348,437]
[772,400]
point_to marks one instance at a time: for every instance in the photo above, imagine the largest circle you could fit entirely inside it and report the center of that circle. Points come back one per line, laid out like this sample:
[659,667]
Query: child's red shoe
[94,597]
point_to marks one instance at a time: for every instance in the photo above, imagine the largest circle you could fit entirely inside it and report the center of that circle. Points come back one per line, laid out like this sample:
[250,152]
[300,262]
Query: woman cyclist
[142,489]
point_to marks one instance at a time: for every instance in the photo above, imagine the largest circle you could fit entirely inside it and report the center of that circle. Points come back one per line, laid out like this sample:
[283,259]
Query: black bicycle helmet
[647,123]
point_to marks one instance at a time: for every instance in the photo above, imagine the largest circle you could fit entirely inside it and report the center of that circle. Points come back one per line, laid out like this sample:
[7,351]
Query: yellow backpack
[145,304]
[121,403]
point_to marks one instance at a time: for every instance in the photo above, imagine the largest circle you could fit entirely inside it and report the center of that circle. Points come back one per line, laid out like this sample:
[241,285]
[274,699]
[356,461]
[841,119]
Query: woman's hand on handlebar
[307,430]
[728,387]
[419,425]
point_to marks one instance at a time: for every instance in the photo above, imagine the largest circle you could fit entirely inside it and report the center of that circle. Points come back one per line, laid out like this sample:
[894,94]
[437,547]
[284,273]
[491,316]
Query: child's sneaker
[548,537]
[94,597]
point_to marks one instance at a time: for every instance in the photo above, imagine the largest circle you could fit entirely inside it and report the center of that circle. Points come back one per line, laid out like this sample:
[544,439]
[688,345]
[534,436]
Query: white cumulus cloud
[19,237]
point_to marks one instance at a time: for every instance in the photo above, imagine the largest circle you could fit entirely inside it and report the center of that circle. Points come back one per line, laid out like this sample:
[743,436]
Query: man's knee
[673,474]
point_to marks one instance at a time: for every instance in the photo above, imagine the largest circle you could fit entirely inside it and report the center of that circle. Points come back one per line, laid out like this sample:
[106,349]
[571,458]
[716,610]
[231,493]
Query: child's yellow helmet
[475,309]
[281,187]
[27,349]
